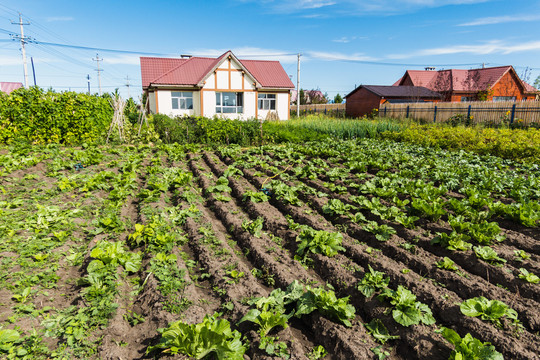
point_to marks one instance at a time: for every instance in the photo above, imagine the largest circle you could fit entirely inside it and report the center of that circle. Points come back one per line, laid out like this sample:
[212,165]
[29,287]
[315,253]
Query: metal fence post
[469,112]
[407,115]
[385,111]
[435,114]
[513,113]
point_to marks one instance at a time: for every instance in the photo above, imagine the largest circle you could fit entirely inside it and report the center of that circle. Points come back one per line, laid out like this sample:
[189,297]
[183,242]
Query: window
[468,98]
[229,103]
[182,100]
[267,101]
[504,98]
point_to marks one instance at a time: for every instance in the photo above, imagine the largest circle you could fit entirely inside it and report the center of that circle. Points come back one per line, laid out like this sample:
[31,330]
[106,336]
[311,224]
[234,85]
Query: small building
[490,84]
[365,98]
[8,87]
[225,86]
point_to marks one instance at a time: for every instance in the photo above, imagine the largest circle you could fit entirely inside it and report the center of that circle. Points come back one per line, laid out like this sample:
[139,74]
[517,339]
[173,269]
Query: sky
[343,43]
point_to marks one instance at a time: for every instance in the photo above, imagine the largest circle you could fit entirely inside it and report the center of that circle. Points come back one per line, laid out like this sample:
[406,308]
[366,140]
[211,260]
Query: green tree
[537,82]
[302,97]
[338,99]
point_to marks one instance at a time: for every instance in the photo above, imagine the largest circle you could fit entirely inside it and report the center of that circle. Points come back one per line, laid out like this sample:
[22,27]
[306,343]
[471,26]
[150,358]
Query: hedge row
[44,116]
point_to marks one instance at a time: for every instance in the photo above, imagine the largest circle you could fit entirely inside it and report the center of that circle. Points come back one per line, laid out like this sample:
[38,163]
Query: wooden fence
[336,110]
[482,112]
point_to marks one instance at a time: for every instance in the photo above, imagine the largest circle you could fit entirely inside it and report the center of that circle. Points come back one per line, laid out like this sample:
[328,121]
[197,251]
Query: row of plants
[518,144]
[407,310]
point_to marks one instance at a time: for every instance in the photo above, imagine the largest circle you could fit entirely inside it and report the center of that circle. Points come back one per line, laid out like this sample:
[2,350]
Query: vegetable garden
[358,249]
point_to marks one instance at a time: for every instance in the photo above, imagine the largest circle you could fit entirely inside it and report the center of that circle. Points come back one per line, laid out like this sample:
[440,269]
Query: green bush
[41,117]
[201,130]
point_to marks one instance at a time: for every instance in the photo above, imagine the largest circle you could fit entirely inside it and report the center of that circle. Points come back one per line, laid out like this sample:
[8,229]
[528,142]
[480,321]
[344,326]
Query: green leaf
[8,336]
[406,315]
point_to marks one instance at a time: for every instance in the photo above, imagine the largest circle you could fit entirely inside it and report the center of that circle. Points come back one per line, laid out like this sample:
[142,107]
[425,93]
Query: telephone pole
[23,39]
[97,60]
[298,87]
[128,85]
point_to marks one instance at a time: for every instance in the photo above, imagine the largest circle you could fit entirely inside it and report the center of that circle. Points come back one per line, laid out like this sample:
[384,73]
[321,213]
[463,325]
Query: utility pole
[23,40]
[97,60]
[298,87]
[88,78]
[128,85]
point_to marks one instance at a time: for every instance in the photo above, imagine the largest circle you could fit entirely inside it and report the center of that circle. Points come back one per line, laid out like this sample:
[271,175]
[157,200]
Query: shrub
[41,117]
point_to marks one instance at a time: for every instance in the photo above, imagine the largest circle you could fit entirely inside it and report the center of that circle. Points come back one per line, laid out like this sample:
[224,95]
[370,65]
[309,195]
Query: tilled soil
[214,242]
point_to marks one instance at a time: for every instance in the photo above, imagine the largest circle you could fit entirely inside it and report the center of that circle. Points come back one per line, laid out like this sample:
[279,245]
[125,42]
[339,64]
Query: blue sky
[343,42]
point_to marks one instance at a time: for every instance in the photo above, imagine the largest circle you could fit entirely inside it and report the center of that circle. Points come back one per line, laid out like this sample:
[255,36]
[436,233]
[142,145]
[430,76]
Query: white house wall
[209,103]
[282,106]
[164,104]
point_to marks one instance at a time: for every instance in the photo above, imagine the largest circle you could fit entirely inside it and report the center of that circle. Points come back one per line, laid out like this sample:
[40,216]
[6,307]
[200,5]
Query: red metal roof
[270,74]
[8,87]
[153,67]
[190,72]
[459,80]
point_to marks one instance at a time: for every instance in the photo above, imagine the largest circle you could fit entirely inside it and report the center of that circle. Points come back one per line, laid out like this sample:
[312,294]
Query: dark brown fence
[526,113]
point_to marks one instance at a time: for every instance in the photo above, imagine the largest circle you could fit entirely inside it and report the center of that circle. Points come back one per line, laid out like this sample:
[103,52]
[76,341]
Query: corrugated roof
[402,91]
[460,80]
[153,67]
[269,74]
[390,91]
[167,71]
[8,87]
[190,72]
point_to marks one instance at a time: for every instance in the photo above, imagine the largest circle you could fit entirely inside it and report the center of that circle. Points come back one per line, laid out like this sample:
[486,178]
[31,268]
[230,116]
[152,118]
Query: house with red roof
[8,87]
[492,84]
[365,98]
[225,86]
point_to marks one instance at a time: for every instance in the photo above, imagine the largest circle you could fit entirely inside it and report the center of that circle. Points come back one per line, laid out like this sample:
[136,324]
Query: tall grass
[319,126]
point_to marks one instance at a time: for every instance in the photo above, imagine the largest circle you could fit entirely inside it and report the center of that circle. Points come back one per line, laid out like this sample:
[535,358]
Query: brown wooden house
[362,100]
[491,84]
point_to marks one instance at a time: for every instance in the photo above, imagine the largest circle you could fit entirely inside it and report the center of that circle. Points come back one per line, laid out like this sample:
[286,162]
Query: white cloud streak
[122,60]
[332,56]
[254,53]
[355,7]
[501,20]
[491,47]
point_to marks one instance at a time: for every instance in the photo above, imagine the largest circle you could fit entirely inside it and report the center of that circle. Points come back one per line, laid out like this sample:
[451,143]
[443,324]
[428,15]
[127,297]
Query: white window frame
[266,101]
[182,100]
[228,102]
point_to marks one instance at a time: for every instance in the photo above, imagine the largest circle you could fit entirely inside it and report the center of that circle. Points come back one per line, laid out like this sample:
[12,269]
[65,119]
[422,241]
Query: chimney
[429,68]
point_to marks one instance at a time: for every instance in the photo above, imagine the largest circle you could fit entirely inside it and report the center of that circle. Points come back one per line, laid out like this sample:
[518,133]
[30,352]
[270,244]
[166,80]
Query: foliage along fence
[202,130]
[45,116]
[332,110]
[523,113]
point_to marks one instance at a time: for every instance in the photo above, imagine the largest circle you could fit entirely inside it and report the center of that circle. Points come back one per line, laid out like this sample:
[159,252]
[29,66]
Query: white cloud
[331,56]
[10,60]
[60,18]
[253,53]
[343,39]
[355,7]
[490,47]
[122,59]
[501,20]
[348,39]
